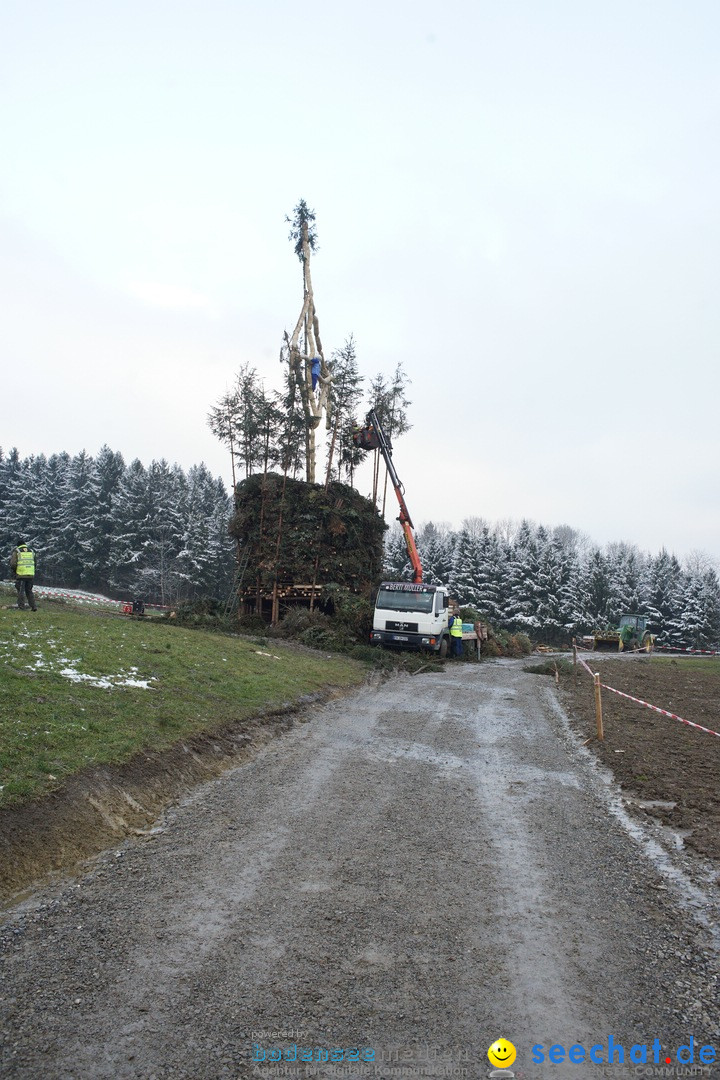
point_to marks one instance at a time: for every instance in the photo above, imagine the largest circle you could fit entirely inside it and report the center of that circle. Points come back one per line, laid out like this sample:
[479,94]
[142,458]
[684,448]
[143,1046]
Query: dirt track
[421,869]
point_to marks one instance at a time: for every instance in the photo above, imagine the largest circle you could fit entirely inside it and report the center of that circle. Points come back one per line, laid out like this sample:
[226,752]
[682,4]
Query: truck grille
[404,627]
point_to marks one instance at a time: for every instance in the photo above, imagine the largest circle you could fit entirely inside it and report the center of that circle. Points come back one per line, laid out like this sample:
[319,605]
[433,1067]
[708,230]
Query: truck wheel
[443,648]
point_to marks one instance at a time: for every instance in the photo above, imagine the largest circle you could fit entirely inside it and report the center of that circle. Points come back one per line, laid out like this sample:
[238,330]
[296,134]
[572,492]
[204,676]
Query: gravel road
[418,870]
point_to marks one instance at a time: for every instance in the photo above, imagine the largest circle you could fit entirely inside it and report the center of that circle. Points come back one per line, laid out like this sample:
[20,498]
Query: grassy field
[80,688]
[707,666]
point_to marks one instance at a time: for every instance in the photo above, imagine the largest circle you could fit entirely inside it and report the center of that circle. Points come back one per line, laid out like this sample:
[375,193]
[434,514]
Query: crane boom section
[385,449]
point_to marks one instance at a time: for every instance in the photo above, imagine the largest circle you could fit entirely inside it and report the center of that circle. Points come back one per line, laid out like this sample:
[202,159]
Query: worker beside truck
[455,624]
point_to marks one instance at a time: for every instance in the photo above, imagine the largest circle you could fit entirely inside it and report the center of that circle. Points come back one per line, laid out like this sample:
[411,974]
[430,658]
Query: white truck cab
[409,616]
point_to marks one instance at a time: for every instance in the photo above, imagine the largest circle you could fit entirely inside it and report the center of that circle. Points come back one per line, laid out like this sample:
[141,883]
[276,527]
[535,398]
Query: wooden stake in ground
[303,350]
[598,707]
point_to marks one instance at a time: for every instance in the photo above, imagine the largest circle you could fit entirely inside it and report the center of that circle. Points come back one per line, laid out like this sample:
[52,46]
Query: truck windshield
[399,600]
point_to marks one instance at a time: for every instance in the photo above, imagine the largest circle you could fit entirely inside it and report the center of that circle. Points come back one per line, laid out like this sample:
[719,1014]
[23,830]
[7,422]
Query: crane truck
[408,615]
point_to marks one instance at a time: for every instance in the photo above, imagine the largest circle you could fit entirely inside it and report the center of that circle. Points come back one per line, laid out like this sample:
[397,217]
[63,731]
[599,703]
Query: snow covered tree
[695,623]
[132,514]
[521,577]
[465,569]
[659,587]
[14,483]
[556,613]
[491,560]
[436,545]
[47,520]
[204,563]
[74,520]
[625,578]
[107,470]
[594,589]
[166,497]
[396,564]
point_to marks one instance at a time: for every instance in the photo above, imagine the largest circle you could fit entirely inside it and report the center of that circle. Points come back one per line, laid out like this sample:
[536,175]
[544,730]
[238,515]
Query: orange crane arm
[404,517]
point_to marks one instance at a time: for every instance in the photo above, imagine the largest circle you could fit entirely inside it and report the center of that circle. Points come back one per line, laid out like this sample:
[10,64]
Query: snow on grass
[48,659]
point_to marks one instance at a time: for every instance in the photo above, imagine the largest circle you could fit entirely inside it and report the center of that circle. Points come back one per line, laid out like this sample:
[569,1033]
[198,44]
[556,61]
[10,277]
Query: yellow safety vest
[25,563]
[456,628]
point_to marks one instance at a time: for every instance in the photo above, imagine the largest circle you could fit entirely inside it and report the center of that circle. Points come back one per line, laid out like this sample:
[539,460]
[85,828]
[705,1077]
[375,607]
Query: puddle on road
[650,804]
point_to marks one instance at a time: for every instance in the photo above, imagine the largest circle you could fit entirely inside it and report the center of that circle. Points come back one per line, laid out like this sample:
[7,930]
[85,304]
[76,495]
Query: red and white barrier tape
[589,671]
[84,598]
[663,712]
[688,652]
[639,701]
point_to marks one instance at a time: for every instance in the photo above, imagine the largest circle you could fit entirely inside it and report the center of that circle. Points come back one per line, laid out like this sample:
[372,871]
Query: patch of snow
[66,666]
[106,682]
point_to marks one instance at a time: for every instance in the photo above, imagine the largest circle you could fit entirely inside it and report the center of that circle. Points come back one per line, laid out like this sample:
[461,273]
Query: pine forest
[553,584]
[127,531]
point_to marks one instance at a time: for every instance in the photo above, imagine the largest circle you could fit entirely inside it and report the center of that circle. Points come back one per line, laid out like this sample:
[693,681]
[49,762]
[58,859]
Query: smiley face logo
[502,1053]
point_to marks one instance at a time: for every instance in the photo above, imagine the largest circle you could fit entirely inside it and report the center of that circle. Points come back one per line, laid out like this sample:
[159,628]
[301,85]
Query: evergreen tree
[659,586]
[556,614]
[626,573]
[345,395]
[396,564]
[132,517]
[521,574]
[390,403]
[167,489]
[696,623]
[75,520]
[465,569]
[106,472]
[204,563]
[594,588]
[237,421]
[436,546]
[291,431]
[9,466]
[49,551]
[15,518]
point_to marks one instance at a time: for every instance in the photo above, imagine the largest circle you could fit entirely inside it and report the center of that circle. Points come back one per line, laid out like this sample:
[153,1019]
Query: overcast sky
[516,199]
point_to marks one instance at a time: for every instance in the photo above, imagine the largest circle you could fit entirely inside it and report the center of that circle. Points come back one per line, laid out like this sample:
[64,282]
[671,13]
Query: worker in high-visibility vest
[455,624]
[22,564]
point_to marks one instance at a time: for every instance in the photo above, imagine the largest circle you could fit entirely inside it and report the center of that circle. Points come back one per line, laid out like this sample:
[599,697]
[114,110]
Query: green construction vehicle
[632,634]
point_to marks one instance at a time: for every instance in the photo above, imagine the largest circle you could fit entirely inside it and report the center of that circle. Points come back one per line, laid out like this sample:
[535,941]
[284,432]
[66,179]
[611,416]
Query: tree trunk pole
[279,532]
[313,403]
[314,582]
[332,449]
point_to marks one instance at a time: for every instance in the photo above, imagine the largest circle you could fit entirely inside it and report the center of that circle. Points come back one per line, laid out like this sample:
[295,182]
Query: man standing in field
[22,564]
